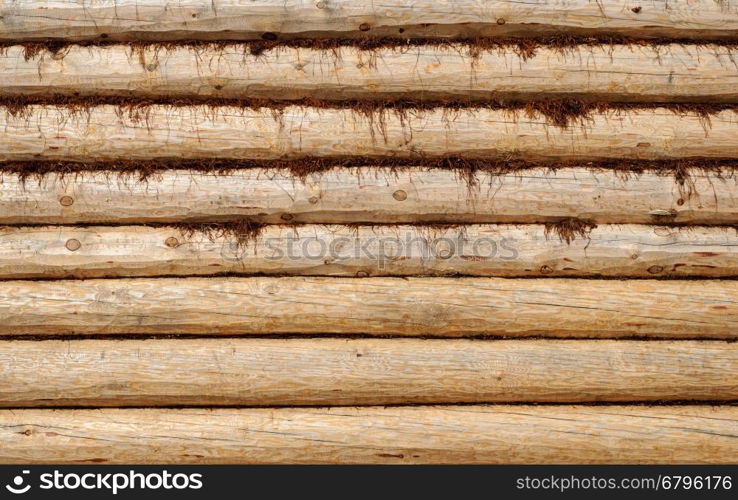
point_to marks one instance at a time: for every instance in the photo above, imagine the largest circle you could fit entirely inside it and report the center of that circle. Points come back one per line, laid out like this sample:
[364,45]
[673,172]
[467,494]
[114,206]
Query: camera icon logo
[17,487]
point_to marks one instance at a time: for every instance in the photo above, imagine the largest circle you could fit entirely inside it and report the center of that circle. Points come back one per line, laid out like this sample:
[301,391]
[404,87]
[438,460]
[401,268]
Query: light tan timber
[498,434]
[622,73]
[200,132]
[187,19]
[472,250]
[279,372]
[346,195]
[453,307]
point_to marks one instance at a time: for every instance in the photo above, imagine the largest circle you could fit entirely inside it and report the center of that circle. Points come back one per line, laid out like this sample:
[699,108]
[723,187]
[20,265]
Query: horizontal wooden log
[424,434]
[453,307]
[160,20]
[317,250]
[265,372]
[620,73]
[198,132]
[370,195]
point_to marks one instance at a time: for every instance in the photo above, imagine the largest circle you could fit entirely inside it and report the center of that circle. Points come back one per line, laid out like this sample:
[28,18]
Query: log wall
[455,232]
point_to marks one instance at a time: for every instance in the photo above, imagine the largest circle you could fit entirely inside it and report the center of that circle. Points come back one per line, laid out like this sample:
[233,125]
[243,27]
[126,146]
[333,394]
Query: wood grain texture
[621,73]
[331,250]
[424,434]
[366,195]
[453,307]
[186,19]
[161,132]
[264,372]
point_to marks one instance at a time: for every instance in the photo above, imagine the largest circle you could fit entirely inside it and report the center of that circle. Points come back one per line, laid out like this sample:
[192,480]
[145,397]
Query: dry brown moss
[569,229]
[559,112]
[525,47]
[465,168]
[241,231]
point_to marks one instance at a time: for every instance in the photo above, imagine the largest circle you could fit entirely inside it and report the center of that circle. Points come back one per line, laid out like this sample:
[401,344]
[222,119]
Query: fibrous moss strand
[569,229]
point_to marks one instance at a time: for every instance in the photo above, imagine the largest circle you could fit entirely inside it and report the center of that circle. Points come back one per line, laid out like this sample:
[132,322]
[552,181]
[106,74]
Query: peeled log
[702,73]
[107,132]
[371,195]
[497,434]
[496,250]
[265,372]
[188,19]
[453,307]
